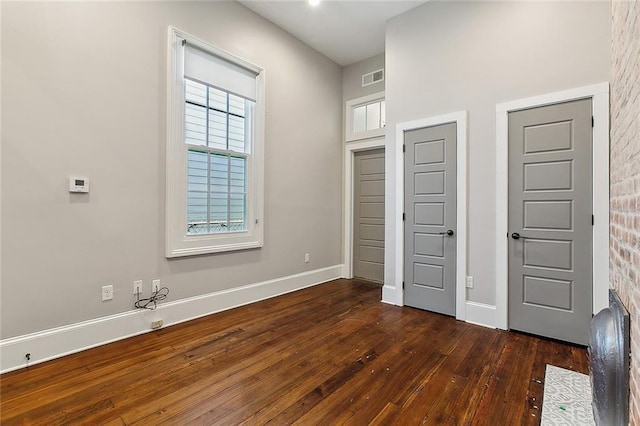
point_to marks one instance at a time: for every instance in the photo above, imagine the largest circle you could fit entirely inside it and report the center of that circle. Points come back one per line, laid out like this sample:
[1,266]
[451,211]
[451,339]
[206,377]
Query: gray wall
[83,92]
[352,78]
[449,56]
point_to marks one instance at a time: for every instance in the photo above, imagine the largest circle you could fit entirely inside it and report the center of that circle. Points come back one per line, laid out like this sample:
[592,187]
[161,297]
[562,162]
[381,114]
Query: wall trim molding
[60,341]
[395,292]
[599,93]
[481,314]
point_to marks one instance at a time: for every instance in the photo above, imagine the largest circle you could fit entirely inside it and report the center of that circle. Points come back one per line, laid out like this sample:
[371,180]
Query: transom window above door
[365,117]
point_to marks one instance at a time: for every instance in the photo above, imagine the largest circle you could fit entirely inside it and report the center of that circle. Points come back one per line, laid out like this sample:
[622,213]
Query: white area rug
[567,398]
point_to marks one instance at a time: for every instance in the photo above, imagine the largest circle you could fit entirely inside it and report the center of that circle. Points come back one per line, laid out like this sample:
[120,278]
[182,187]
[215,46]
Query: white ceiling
[345,31]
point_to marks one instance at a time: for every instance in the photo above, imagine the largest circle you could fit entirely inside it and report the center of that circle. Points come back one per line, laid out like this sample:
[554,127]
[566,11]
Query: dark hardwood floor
[330,354]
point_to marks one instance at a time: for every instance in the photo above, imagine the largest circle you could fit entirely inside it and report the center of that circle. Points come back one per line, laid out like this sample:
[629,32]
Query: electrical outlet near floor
[156,324]
[137,287]
[107,292]
[306,258]
[155,286]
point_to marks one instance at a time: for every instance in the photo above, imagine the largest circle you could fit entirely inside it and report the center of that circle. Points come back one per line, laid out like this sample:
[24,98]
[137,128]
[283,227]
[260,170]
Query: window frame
[178,242]
[351,106]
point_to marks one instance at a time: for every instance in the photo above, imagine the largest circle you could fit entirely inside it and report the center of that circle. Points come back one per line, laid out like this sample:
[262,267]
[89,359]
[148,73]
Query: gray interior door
[368,226]
[550,221]
[430,222]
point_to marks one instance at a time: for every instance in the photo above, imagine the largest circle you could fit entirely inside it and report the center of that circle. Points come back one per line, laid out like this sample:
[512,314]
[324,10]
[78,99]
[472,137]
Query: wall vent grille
[372,77]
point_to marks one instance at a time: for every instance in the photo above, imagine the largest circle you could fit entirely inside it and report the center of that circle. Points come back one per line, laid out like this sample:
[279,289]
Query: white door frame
[599,93]
[460,118]
[350,150]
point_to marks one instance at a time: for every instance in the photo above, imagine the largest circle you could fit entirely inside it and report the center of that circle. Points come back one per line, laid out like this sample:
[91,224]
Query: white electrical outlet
[107,292]
[155,286]
[137,287]
[306,258]
[469,282]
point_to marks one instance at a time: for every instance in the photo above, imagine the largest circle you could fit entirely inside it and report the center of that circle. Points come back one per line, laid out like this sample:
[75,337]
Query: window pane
[373,116]
[197,209]
[219,173]
[195,122]
[237,209]
[236,105]
[217,129]
[218,99]
[195,92]
[197,171]
[360,119]
[219,208]
[197,212]
[237,175]
[236,133]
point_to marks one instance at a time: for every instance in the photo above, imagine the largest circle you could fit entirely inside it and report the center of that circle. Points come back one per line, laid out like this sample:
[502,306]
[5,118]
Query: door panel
[429,245]
[548,214]
[368,215]
[430,214]
[429,183]
[547,176]
[550,208]
[430,208]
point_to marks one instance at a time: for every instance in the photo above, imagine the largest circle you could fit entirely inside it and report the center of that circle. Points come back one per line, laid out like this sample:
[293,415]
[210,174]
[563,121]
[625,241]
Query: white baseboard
[390,295]
[57,342]
[346,272]
[481,314]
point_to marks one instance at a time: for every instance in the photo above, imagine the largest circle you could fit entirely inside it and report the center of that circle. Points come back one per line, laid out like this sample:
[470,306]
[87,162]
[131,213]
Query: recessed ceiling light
[314,2]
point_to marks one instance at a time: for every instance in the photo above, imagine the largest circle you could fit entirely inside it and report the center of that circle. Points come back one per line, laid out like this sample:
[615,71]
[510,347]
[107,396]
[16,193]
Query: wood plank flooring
[330,354]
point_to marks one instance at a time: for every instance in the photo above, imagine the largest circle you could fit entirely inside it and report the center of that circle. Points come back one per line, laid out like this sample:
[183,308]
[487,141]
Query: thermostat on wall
[78,184]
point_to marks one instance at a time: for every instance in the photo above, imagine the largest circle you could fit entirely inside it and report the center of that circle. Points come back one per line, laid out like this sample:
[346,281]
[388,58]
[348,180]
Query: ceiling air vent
[372,77]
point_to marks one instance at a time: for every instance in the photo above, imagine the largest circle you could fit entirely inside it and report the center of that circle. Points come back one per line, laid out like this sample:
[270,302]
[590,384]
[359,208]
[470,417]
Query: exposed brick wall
[624,244]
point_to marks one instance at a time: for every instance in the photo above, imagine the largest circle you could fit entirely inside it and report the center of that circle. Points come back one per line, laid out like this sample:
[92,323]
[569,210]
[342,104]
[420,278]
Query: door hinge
[593,220]
[404,148]
[404,216]
[403,285]
[593,121]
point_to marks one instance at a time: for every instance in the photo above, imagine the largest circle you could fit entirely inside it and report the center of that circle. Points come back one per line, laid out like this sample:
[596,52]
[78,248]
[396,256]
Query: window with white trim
[365,117]
[214,149]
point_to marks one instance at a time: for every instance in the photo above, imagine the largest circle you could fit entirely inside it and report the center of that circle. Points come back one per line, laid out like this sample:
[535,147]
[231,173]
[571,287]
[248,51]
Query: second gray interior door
[430,223]
[368,215]
[550,220]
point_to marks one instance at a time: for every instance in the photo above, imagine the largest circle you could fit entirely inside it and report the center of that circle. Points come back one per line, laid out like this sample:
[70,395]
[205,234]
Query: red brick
[625,175]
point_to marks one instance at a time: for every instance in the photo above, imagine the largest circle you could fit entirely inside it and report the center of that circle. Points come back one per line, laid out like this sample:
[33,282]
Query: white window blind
[217,72]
